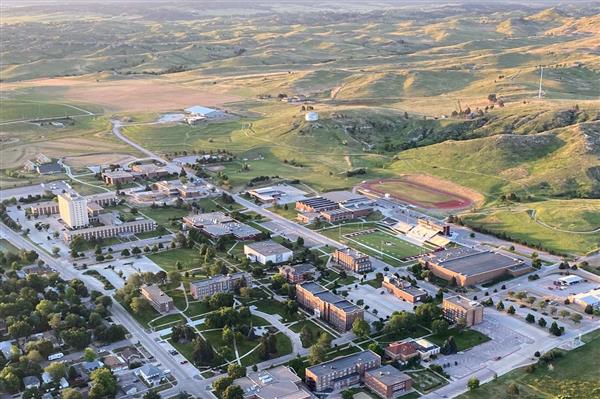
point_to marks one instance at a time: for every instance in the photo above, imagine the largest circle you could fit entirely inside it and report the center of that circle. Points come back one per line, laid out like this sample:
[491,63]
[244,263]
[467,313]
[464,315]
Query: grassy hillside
[574,375]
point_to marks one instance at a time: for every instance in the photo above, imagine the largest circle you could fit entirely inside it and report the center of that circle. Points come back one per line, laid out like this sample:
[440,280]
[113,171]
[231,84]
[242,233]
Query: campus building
[89,233]
[216,225]
[160,301]
[388,382]
[201,289]
[341,372]
[277,383]
[117,177]
[456,308]
[316,204]
[401,350]
[267,251]
[52,207]
[469,266]
[333,309]
[297,273]
[403,289]
[591,298]
[73,210]
[352,259]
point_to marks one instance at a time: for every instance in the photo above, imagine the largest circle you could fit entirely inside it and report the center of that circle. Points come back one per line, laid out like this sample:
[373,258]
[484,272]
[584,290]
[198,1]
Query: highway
[187,377]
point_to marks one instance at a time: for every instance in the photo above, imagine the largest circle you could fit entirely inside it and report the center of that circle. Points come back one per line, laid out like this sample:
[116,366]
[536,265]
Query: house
[352,259]
[129,389]
[8,348]
[31,382]
[130,354]
[267,251]
[297,273]
[88,367]
[160,301]
[150,374]
[388,382]
[115,363]
[276,383]
[458,308]
[401,350]
[342,372]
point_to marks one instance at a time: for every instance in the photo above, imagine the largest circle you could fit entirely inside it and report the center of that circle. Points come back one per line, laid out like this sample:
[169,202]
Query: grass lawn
[575,375]
[314,329]
[166,319]
[426,380]
[275,307]
[289,213]
[188,257]
[196,309]
[375,283]
[6,246]
[164,216]
[464,340]
[145,317]
[389,338]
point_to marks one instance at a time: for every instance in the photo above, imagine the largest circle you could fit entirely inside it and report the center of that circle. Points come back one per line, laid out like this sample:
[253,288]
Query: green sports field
[388,244]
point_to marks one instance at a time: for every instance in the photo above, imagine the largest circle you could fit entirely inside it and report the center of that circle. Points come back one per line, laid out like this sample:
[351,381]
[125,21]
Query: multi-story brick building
[403,289]
[223,283]
[332,308]
[352,259]
[341,372]
[297,273]
[157,298]
[388,382]
[467,266]
[456,308]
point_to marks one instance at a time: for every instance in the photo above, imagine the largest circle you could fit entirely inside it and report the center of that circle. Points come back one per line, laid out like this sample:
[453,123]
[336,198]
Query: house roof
[402,348]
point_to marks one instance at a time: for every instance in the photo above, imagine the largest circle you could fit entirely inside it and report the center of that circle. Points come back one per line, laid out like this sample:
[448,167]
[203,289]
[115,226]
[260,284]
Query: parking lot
[385,304]
[545,287]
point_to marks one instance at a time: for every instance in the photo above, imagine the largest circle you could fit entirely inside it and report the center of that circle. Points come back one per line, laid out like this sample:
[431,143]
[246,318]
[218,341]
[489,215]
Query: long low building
[403,289]
[267,251]
[99,232]
[201,289]
[277,383]
[342,372]
[469,266]
[332,308]
[217,225]
[52,208]
[591,298]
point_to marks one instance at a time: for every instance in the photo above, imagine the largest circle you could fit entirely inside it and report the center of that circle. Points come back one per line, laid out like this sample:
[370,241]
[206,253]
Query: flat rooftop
[463,302]
[388,375]
[327,296]
[318,202]
[342,363]
[220,279]
[471,262]
[299,268]
[352,252]
[343,196]
[268,247]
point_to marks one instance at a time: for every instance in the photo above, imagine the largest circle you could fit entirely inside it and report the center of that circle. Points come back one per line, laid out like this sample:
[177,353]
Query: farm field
[574,375]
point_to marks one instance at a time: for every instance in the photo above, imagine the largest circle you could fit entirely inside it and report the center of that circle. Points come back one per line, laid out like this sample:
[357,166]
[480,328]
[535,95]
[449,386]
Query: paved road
[185,378]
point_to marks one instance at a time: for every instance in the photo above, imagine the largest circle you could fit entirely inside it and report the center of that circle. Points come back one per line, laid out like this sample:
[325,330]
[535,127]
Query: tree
[233,392]
[530,318]
[449,346]
[318,351]
[77,338]
[10,380]
[500,306]
[104,384]
[70,393]
[202,352]
[374,347]
[555,330]
[427,312]
[139,305]
[347,394]
[89,355]
[151,394]
[542,322]
[576,317]
[20,329]
[306,336]
[221,384]
[512,389]
[439,327]
[473,384]
[511,310]
[236,371]
[401,323]
[174,277]
[361,328]
[125,252]
[227,335]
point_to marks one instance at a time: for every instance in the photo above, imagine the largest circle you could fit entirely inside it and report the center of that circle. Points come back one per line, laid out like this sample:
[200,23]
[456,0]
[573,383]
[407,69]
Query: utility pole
[541,78]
